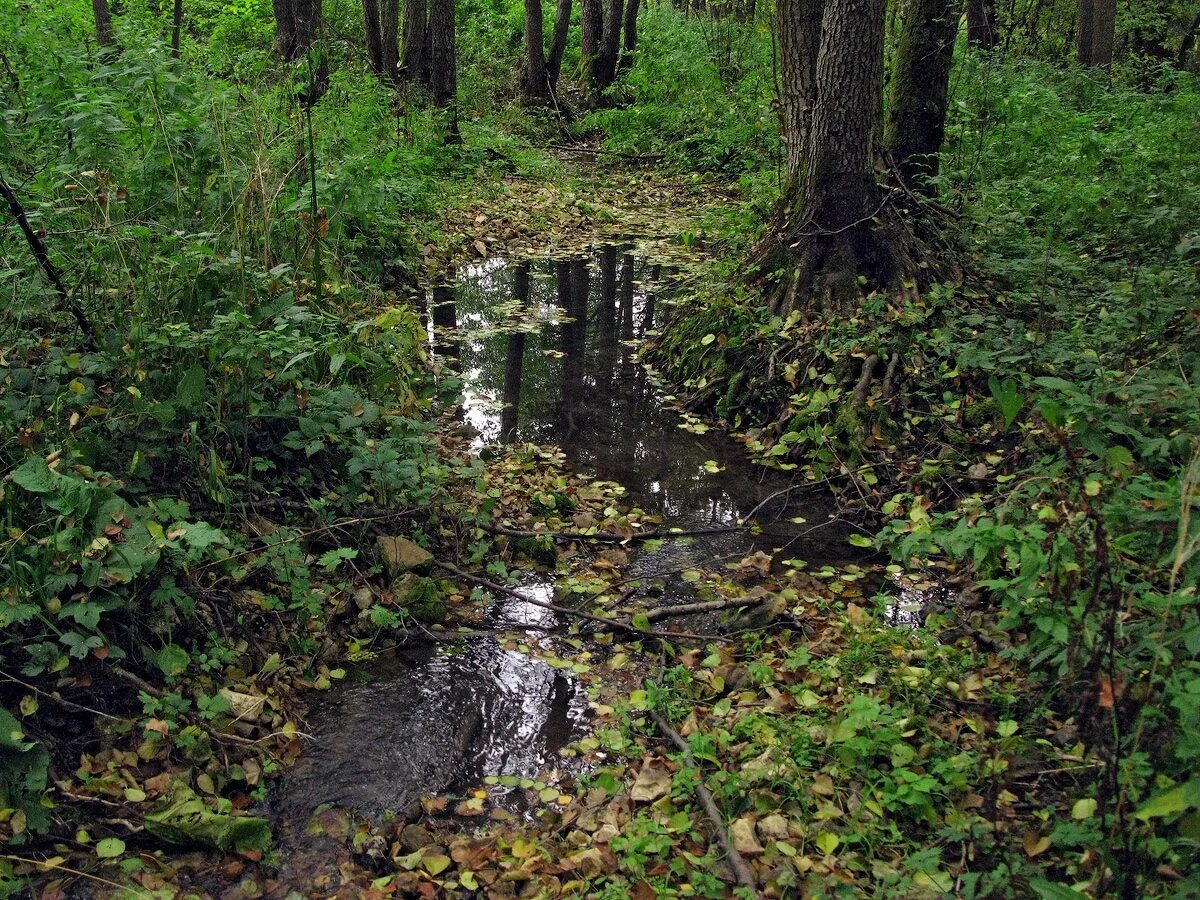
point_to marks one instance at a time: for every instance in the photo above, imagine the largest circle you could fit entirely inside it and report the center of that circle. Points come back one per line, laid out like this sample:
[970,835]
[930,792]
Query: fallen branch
[611,537]
[567,611]
[46,264]
[687,609]
[741,871]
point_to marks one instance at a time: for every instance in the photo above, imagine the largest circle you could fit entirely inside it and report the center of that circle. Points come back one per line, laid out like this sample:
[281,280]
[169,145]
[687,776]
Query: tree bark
[535,88]
[798,26]
[444,64]
[297,23]
[1097,32]
[916,123]
[629,41]
[176,27]
[374,38]
[981,24]
[415,62]
[558,42]
[104,28]
[591,28]
[389,37]
[828,215]
[605,70]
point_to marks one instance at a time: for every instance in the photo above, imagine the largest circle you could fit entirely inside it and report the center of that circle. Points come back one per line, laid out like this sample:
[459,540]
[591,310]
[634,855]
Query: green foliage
[23,779]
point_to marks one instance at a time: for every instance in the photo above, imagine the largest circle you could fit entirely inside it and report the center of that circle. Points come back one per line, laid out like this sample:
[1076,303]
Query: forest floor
[834,724]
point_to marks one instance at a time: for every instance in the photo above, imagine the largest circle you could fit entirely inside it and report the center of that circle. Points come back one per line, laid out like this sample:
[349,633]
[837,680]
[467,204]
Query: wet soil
[546,351]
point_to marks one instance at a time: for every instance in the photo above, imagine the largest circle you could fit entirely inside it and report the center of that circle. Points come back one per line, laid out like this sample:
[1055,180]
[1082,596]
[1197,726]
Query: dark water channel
[547,353]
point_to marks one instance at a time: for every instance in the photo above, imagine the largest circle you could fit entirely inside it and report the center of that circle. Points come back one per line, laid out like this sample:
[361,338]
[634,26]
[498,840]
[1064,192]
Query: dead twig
[567,611]
[609,537]
[741,871]
[46,264]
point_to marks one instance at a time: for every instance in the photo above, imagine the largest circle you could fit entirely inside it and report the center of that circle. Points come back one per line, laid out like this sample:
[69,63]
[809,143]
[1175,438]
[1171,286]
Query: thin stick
[685,609]
[49,269]
[610,537]
[567,611]
[70,704]
[741,871]
[46,864]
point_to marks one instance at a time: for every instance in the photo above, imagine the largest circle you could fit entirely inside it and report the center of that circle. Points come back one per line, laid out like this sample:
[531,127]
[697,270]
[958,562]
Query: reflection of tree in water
[546,357]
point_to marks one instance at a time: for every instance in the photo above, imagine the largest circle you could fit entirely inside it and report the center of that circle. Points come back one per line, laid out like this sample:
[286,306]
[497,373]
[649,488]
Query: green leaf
[641,623]
[110,848]
[1177,799]
[172,660]
[1049,890]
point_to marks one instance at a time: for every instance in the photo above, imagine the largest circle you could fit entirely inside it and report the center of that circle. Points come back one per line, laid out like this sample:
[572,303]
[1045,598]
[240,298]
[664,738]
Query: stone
[400,555]
[773,828]
[741,832]
[415,837]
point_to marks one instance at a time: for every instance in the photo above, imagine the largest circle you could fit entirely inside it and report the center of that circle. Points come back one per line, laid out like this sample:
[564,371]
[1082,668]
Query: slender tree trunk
[558,42]
[104,28]
[629,41]
[414,63]
[916,124]
[285,27]
[1097,32]
[444,64]
[591,29]
[389,38]
[535,88]
[829,214]
[605,71]
[798,25]
[981,23]
[374,39]
[176,28]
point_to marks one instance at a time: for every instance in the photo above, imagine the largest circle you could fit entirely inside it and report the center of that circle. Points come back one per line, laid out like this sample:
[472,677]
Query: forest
[614,448]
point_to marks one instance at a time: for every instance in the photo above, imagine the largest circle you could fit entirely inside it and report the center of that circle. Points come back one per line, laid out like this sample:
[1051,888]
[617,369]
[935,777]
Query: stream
[547,351]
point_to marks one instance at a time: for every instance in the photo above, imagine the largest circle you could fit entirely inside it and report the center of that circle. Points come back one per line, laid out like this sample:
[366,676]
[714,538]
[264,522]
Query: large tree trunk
[104,29]
[591,29]
[444,64]
[798,26]
[535,87]
[829,214]
[981,24]
[605,70]
[297,22]
[916,123]
[558,42]
[373,35]
[1097,31]
[389,37]
[415,62]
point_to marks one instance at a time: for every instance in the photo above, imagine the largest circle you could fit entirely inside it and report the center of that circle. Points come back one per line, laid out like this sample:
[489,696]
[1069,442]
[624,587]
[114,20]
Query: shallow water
[546,350]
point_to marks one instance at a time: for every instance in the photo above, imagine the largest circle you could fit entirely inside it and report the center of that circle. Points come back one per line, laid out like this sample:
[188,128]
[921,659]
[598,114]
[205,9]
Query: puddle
[547,353]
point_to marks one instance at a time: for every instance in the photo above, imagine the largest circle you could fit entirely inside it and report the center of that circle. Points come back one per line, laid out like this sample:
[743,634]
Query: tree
[535,83]
[415,61]
[104,28]
[176,27]
[297,24]
[591,28]
[374,35]
[1097,31]
[558,43]
[381,25]
[916,122]
[443,64]
[629,44]
[798,26]
[981,24]
[826,227]
[604,72]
